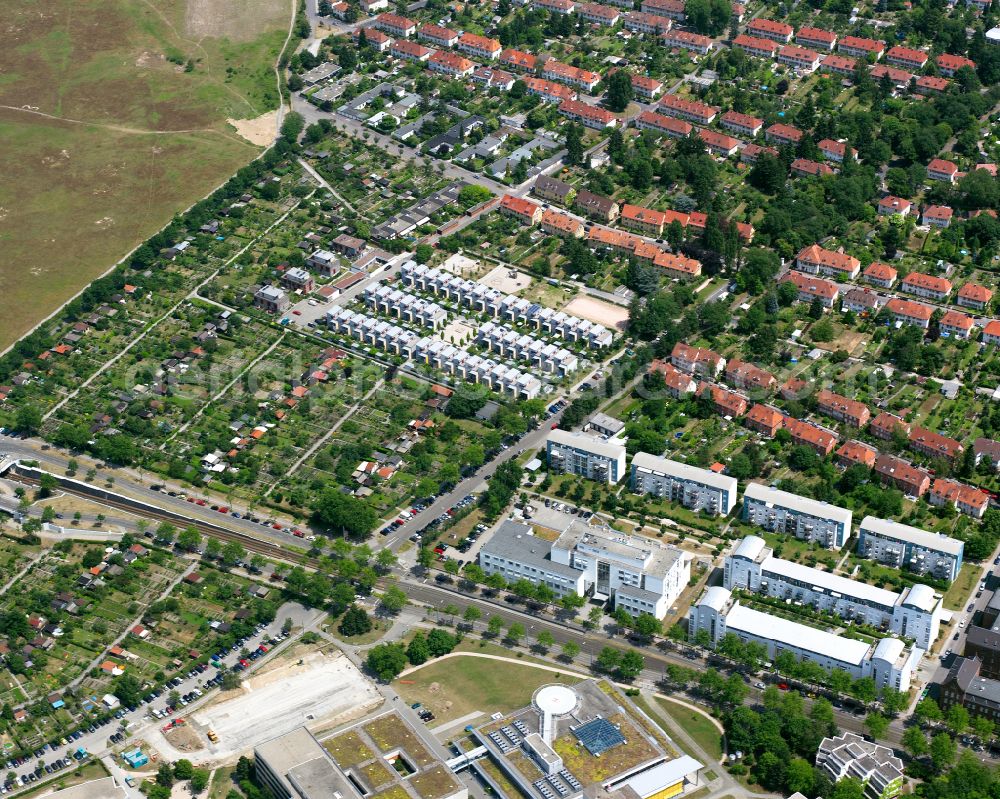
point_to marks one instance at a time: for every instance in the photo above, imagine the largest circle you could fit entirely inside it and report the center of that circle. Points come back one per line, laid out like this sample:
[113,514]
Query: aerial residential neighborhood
[539,400]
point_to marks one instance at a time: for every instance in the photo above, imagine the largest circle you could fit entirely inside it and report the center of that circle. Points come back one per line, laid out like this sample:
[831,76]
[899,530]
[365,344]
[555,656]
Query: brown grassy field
[112,118]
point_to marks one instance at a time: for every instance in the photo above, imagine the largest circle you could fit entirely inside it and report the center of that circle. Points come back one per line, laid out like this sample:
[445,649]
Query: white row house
[508,343]
[408,307]
[505,307]
[434,352]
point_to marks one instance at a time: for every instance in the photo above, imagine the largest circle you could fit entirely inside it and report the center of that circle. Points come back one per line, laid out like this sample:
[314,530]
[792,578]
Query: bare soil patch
[260,131]
[237,20]
[604,313]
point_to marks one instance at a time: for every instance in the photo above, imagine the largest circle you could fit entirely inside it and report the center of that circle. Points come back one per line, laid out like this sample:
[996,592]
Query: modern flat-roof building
[694,488]
[515,553]
[636,573]
[875,766]
[901,546]
[806,519]
[915,613]
[271,299]
[587,456]
[296,766]
[889,662]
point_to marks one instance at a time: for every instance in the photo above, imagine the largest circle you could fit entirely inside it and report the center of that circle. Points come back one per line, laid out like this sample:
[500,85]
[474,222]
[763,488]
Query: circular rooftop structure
[555,700]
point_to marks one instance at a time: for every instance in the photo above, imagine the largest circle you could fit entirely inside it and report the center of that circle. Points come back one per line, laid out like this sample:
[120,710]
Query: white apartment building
[586,456]
[904,547]
[915,613]
[889,662]
[806,519]
[694,488]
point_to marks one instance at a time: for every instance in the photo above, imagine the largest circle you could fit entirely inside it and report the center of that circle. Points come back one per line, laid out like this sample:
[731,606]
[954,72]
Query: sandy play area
[260,131]
[461,265]
[604,313]
[507,280]
[321,689]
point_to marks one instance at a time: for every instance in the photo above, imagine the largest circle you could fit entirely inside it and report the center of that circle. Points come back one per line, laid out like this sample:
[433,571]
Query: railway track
[249,542]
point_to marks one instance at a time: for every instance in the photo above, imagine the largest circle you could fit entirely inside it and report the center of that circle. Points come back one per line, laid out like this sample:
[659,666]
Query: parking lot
[131,723]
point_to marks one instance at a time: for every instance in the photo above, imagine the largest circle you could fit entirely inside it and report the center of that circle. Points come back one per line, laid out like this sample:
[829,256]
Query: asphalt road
[531,440]
[591,642]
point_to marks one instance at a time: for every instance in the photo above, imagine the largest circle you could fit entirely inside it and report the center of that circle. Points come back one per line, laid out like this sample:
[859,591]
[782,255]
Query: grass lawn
[457,686]
[961,589]
[125,137]
[379,628]
[701,730]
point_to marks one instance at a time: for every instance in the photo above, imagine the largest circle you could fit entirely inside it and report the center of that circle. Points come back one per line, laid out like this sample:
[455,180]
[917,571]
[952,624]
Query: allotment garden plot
[59,619]
[251,434]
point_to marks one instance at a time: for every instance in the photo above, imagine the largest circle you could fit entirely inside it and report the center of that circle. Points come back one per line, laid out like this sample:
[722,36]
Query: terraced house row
[434,352]
[507,307]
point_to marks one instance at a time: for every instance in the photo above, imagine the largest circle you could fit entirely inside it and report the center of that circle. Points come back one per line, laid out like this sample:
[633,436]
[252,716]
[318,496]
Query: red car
[200,502]
[297,312]
[190,499]
[298,534]
[276,526]
[223,509]
[244,662]
[783,686]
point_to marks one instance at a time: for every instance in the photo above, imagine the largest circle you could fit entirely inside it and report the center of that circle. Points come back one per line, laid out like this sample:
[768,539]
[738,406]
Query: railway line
[136,507]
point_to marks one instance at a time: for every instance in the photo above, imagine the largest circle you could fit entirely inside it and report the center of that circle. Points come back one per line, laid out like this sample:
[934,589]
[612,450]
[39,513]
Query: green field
[113,117]
[454,687]
[960,591]
[701,730]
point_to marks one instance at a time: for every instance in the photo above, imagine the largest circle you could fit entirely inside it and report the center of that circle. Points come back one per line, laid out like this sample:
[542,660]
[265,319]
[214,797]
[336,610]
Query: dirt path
[120,128]
[204,54]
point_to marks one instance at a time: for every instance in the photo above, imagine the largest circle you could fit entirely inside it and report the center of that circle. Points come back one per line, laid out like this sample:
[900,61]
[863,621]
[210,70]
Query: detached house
[890,205]
[939,169]
[881,275]
[697,360]
[811,288]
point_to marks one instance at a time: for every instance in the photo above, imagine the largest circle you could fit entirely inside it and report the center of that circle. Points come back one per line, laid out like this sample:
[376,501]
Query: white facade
[903,546]
[696,489]
[584,455]
[637,574]
[889,662]
[515,554]
[505,307]
[915,613]
[806,519]
[450,359]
